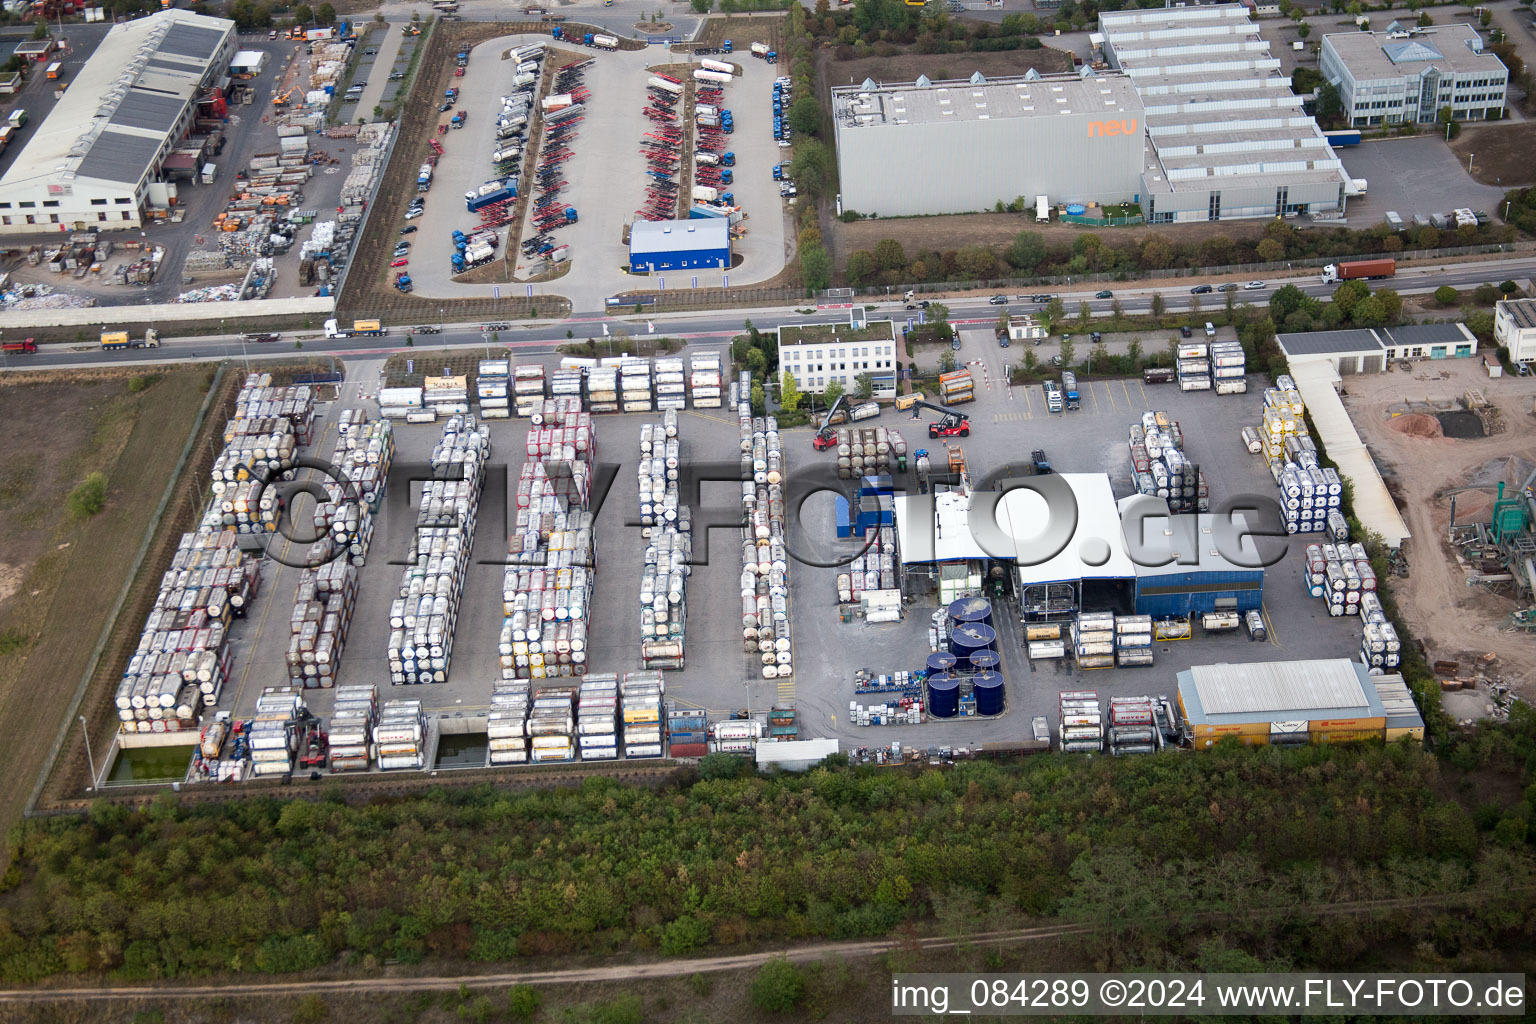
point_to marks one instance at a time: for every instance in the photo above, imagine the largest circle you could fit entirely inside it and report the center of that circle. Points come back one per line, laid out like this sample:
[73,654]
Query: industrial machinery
[951,423]
[826,437]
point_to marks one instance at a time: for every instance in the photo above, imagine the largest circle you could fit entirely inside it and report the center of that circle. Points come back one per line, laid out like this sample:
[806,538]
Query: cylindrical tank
[988,688]
[943,695]
[985,661]
[968,637]
[971,609]
[941,661]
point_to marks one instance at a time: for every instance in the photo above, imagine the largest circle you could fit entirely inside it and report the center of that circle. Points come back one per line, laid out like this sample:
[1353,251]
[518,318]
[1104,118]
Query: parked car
[1523,369]
[998,300]
[408,230]
[402,245]
[372,51]
[445,107]
[1200,289]
[1186,331]
[396,76]
[1105,294]
[1254,285]
[1097,337]
[400,263]
[413,213]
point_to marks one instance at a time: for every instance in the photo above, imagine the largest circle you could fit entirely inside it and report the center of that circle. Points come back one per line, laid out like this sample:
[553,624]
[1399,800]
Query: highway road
[536,337]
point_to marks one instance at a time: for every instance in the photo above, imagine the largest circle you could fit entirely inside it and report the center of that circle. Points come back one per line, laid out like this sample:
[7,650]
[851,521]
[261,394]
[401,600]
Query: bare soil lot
[59,578]
[1456,622]
[1501,153]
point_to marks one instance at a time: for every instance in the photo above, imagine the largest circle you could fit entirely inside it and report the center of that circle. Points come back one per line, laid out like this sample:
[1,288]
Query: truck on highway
[1359,270]
[113,340]
[18,347]
[359,329]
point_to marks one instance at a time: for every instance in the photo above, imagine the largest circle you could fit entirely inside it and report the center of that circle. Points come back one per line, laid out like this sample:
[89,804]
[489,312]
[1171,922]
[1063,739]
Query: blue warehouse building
[1201,577]
[660,245]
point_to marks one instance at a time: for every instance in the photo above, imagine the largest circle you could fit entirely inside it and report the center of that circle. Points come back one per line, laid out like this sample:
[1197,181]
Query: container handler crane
[951,423]
[826,437]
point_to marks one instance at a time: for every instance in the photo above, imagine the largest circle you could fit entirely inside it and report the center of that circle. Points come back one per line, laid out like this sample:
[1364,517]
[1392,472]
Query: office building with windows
[1407,76]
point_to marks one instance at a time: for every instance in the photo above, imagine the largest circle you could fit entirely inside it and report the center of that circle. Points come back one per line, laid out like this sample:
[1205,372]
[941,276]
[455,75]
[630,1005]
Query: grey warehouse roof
[117,155]
[1429,334]
[192,41]
[925,102]
[679,235]
[1521,311]
[1279,690]
[1315,343]
[148,110]
[1203,557]
[1375,55]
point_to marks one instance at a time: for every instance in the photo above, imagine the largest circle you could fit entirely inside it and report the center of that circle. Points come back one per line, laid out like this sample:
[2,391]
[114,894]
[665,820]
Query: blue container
[943,695]
[971,609]
[985,661]
[941,661]
[988,689]
[968,637]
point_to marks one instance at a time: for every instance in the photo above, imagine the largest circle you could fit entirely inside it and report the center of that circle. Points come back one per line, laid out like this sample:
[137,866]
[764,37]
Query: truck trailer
[359,329]
[1359,270]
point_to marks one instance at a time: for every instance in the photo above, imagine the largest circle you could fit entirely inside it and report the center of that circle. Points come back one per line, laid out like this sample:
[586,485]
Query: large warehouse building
[1275,702]
[96,159]
[1226,138]
[660,245]
[955,147]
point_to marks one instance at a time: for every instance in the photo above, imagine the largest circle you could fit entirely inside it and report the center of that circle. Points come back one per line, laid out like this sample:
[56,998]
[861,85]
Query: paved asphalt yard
[1006,423]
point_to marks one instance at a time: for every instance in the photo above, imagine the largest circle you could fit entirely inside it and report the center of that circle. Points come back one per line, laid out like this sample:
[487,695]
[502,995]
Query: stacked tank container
[737,737]
[552,725]
[507,723]
[1133,727]
[398,403]
[270,734]
[445,396]
[687,732]
[1229,368]
[1133,640]
[1044,641]
[704,380]
[597,717]
[423,616]
[364,451]
[863,450]
[765,557]
[641,694]
[872,569]
[1162,469]
[1380,647]
[1082,722]
[319,623]
[1093,639]
[1194,366]
[603,389]
[635,394]
[260,399]
[400,735]
[666,527]
[566,383]
[493,380]
[671,384]
[351,727]
[527,387]
[1341,575]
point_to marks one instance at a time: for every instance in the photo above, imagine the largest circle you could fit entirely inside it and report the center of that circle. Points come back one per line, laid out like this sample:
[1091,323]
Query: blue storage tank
[988,688]
[943,695]
[941,661]
[985,661]
[968,637]
[971,609]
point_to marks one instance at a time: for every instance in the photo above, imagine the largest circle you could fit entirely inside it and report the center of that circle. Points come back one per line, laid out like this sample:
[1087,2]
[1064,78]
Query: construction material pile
[422,618]
[666,525]
[1161,467]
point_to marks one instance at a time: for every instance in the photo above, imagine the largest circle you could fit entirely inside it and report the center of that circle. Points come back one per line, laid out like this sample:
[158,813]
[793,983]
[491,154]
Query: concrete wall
[93,317]
[1239,203]
[964,166]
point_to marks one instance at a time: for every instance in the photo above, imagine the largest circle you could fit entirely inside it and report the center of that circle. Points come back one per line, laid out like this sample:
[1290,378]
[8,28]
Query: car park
[1200,289]
[1254,285]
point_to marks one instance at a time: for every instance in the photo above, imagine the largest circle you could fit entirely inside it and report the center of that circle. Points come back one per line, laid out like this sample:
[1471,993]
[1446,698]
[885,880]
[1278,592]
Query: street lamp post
[88,758]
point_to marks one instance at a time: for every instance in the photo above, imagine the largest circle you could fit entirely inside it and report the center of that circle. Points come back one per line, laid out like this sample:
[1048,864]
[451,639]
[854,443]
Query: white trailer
[718,65]
[705,75]
[1042,210]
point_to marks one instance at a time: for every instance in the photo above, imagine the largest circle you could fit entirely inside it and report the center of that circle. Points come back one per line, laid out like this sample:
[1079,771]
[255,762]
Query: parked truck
[1359,270]
[122,339]
[424,178]
[359,329]
[601,42]
[479,202]
[1069,388]
[476,255]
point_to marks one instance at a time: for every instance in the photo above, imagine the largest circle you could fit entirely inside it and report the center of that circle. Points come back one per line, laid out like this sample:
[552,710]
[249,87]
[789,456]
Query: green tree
[1350,294]
[1369,313]
[1285,301]
[1004,321]
[1157,305]
[832,392]
[805,115]
[325,14]
[1269,251]
[779,985]
[90,497]
[1098,357]
[1391,305]
[702,6]
[1084,316]
[1329,107]
[889,254]
[312,1009]
[303,14]
[1055,311]
[1485,295]
[523,1000]
[1133,353]
[1156,253]
[1068,352]
[1480,323]
[1303,30]
[1031,361]
[947,362]
[1027,251]
[40,30]
[938,314]
[863,387]
[789,392]
[759,406]
[1445,295]
[1508,288]
[862,266]
[815,267]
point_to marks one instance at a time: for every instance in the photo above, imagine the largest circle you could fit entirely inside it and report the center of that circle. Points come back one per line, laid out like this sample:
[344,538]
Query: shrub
[90,497]
[1445,295]
[778,987]
[523,1002]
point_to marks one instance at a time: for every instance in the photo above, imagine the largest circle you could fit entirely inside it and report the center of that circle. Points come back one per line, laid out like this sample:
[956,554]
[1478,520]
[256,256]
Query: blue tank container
[968,637]
[988,689]
[971,609]
[943,695]
[941,661]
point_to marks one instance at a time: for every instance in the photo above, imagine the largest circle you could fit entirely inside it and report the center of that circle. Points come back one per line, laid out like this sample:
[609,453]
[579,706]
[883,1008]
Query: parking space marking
[1109,395]
[1093,398]
[709,416]
[1126,388]
[1009,417]
[1029,405]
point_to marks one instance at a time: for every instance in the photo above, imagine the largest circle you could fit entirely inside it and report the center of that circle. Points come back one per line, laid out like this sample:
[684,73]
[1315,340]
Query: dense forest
[1134,845]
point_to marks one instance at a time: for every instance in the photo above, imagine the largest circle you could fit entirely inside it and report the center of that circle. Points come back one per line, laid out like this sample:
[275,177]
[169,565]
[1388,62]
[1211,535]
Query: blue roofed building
[697,244]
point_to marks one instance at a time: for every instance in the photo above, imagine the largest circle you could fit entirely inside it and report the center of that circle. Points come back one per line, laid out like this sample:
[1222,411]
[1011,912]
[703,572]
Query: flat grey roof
[1265,687]
[1429,334]
[118,156]
[192,41]
[1521,311]
[1374,55]
[679,235]
[924,102]
[151,111]
[1204,556]
[1313,343]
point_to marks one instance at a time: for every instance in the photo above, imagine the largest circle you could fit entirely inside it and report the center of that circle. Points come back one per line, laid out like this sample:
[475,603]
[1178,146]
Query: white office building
[817,361]
[1225,137]
[1514,327]
[1407,76]
[95,160]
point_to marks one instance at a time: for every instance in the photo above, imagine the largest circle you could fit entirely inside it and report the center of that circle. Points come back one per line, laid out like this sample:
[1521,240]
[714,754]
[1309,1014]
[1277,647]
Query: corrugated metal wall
[1191,593]
[965,166]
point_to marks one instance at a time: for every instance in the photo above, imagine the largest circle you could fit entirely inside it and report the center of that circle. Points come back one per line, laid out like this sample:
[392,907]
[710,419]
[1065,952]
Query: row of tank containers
[666,526]
[1202,366]
[765,627]
[1132,725]
[502,388]
[1311,495]
[1161,468]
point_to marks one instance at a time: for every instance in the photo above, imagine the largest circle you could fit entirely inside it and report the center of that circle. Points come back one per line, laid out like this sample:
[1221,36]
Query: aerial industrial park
[478,425]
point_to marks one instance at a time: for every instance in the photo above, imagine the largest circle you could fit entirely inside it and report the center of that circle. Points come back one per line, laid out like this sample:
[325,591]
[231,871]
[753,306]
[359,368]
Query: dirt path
[1455,621]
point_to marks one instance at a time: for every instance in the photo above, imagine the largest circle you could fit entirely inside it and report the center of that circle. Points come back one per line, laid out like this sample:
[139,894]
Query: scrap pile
[40,296]
[215,293]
